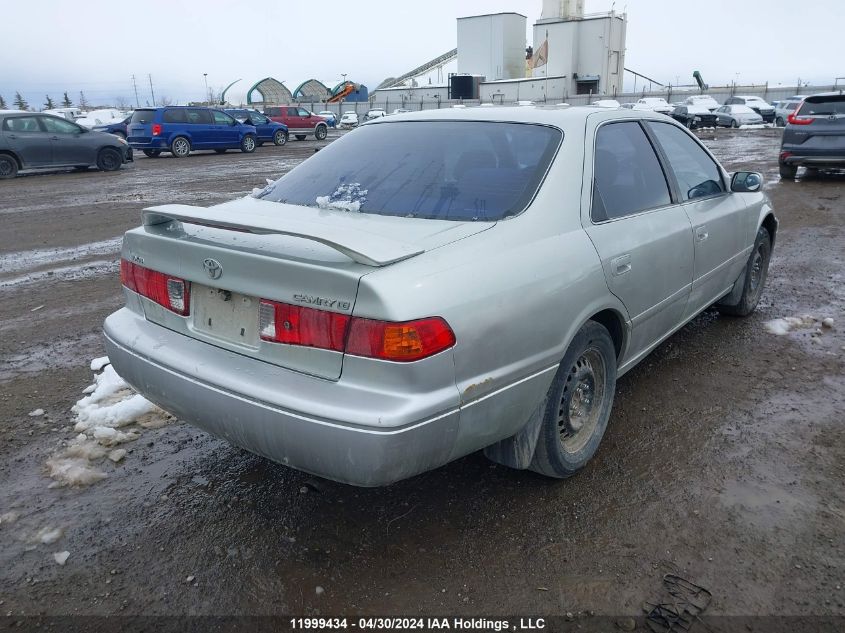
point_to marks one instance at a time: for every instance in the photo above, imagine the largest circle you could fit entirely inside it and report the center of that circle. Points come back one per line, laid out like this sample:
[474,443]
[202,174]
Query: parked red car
[301,123]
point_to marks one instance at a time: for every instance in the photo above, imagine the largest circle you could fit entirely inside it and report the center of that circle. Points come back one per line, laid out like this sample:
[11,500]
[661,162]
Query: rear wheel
[280,137]
[578,404]
[787,171]
[152,153]
[321,132]
[248,144]
[734,124]
[300,137]
[180,147]
[109,159]
[780,122]
[8,166]
[756,272]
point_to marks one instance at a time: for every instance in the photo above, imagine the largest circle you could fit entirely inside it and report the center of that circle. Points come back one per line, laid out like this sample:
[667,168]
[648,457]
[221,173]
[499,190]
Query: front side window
[21,124]
[697,174]
[60,126]
[447,170]
[627,175]
[303,112]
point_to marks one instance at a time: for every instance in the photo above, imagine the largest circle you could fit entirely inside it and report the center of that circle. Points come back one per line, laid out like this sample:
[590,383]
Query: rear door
[224,130]
[643,237]
[716,216]
[29,140]
[139,129]
[71,144]
[200,125]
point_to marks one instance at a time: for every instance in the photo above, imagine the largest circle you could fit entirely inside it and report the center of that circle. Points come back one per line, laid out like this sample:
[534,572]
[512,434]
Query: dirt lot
[724,461]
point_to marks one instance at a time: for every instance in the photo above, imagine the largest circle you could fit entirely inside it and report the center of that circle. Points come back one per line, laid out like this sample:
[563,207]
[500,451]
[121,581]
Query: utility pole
[207,97]
[152,92]
[135,86]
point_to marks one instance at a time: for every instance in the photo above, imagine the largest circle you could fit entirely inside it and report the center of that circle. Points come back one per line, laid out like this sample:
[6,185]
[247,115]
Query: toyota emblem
[212,268]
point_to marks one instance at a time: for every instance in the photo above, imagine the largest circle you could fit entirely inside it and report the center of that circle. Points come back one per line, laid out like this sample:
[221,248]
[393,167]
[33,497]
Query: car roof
[547,115]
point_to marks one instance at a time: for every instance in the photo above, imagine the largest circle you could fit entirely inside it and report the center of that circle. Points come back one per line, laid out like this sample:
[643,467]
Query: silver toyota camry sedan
[436,283]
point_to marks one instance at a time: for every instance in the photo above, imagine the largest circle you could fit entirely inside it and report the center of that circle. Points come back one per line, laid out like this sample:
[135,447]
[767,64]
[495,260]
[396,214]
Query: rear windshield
[823,106]
[142,116]
[445,170]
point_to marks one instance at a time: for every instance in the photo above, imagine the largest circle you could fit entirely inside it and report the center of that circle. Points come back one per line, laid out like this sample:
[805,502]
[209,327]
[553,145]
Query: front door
[716,216]
[29,140]
[70,146]
[643,237]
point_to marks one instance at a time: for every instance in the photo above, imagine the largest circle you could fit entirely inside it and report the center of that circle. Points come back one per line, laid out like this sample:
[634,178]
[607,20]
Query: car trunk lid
[240,252]
[818,125]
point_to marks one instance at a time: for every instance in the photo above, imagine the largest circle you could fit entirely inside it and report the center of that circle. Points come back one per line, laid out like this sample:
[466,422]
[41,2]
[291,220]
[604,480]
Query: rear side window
[627,175]
[447,170]
[199,116]
[21,124]
[174,116]
[143,116]
[823,106]
[696,173]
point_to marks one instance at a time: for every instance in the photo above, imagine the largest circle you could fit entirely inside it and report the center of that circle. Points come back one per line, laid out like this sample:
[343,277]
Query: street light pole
[207,99]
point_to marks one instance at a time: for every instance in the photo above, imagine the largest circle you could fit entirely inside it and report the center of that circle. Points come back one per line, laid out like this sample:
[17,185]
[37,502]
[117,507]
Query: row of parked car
[704,111]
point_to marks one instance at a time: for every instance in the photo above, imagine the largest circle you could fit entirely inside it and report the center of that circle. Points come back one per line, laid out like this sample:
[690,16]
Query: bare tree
[83,102]
[121,103]
[165,100]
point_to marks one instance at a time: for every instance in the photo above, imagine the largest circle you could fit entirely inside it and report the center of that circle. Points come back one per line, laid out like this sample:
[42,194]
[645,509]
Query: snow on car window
[449,170]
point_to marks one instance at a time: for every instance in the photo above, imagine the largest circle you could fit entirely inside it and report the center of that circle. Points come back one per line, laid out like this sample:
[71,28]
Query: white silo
[565,9]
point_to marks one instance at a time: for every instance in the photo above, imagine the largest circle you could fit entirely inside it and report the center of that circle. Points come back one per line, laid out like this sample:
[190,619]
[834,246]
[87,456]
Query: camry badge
[212,268]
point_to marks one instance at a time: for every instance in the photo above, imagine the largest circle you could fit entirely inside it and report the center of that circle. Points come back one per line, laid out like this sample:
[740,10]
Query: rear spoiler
[333,228]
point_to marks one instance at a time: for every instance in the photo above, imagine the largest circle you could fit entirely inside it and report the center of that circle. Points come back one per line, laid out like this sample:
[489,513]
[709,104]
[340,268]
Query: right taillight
[156,129]
[386,340]
[170,292]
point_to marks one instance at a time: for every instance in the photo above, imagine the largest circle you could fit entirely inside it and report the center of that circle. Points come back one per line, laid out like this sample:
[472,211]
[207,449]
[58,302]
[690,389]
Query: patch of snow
[109,436]
[785,325]
[36,413]
[7,518]
[347,197]
[112,403]
[117,454]
[260,192]
[98,363]
[61,557]
[828,322]
[49,535]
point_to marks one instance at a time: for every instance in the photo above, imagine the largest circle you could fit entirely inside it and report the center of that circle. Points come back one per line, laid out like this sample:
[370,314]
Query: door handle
[701,234]
[620,265]
[13,136]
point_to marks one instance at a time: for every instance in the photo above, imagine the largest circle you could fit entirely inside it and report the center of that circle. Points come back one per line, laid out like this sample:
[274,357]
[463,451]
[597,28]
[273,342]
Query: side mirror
[746,182]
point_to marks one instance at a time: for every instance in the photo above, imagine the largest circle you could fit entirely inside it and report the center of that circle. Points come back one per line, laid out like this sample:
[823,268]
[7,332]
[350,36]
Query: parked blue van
[268,131]
[181,129]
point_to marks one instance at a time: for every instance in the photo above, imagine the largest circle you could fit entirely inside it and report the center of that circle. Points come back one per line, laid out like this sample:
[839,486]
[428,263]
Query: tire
[280,137]
[8,166]
[109,159]
[578,404]
[734,124]
[248,144]
[152,153]
[787,171]
[780,122]
[689,124]
[754,280]
[180,147]
[300,137]
[221,151]
[321,132]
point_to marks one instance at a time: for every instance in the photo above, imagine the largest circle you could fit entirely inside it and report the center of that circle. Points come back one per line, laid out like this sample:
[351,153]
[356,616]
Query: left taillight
[156,129]
[169,292]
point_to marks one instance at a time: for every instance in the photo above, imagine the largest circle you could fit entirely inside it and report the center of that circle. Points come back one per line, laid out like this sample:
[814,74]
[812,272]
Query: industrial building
[572,53]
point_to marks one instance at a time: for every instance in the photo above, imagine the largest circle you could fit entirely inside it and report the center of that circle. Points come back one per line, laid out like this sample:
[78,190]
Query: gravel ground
[724,460]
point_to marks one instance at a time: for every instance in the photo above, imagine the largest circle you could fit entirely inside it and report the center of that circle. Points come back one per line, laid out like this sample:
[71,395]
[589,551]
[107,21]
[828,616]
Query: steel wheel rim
[756,269]
[181,147]
[582,401]
[249,144]
[280,138]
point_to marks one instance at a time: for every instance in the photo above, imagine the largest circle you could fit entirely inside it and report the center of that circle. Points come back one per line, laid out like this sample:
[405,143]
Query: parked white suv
[655,104]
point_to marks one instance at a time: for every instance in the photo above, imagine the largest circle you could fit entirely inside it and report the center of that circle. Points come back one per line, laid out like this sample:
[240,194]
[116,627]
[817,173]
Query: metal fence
[670,93]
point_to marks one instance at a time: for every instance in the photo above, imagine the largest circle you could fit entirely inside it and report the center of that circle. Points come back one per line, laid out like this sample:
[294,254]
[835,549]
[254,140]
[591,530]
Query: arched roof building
[271,91]
[311,90]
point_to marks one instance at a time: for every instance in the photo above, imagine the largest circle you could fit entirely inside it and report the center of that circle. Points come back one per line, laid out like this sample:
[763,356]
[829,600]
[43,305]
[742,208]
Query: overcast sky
[97,45]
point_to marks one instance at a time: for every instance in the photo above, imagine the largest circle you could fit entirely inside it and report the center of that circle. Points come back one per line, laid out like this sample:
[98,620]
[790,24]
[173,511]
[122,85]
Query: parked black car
[32,141]
[694,116]
[814,135]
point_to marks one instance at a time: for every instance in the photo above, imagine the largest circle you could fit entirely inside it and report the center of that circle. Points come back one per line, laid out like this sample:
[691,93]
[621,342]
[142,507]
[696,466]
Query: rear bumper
[211,395]
[148,143]
[815,160]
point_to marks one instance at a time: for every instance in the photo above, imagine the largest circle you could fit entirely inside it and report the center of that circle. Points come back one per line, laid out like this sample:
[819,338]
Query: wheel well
[771,225]
[614,325]
[13,155]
